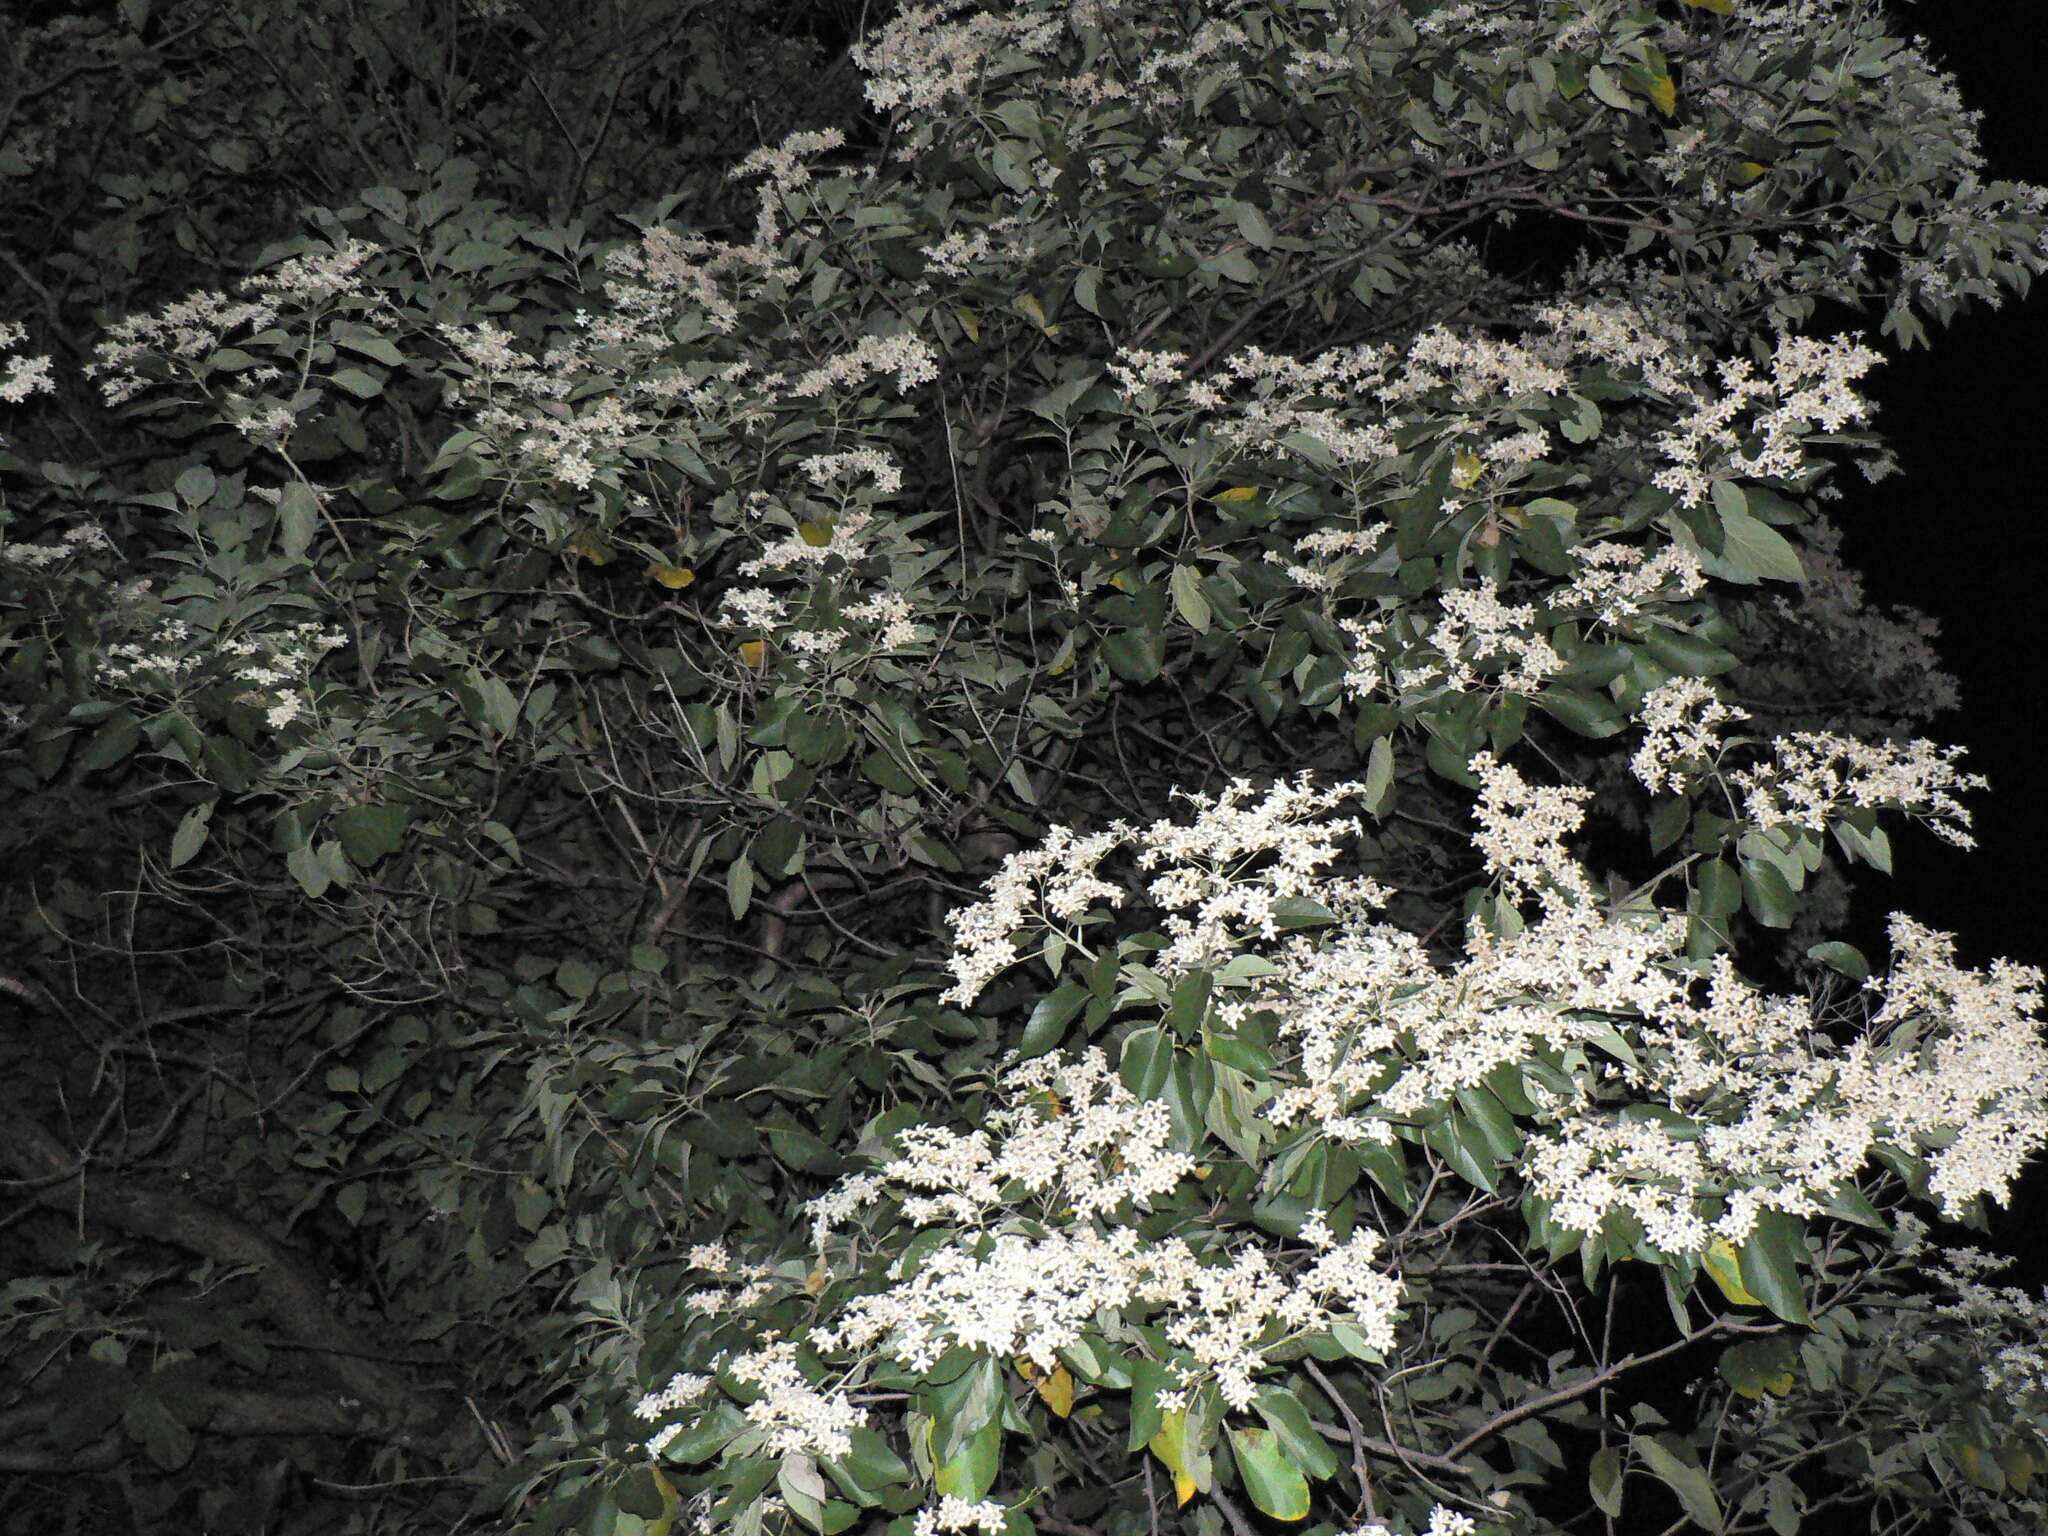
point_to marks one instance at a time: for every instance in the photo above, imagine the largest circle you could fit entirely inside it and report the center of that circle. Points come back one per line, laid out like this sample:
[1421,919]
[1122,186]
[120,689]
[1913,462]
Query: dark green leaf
[1048,1023]
[1770,1265]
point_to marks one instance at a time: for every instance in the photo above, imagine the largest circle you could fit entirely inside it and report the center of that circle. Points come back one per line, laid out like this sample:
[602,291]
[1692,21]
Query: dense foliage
[1085,767]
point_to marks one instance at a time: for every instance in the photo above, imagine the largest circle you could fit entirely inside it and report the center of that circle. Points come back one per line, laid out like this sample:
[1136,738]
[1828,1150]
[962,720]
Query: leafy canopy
[597,785]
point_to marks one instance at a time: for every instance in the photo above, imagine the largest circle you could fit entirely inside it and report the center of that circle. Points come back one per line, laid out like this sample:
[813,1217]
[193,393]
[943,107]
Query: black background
[1962,534]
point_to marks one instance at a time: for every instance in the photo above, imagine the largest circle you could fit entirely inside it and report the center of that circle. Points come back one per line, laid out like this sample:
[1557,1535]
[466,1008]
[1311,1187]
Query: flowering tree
[566,687]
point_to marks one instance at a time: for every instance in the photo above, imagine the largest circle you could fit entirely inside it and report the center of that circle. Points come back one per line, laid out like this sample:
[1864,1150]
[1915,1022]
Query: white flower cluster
[1442,1521]
[1682,722]
[1043,1254]
[683,1388]
[1616,583]
[1812,774]
[25,376]
[1810,385]
[76,540]
[833,468]
[275,663]
[962,254]
[785,167]
[826,548]
[912,361]
[1756,1109]
[1054,881]
[794,1416]
[1477,642]
[953,1513]
[1808,778]
[194,326]
[1070,1132]
[926,53]
[812,545]
[2016,1372]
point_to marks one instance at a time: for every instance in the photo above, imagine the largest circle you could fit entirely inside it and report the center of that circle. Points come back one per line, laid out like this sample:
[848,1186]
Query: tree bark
[370,1397]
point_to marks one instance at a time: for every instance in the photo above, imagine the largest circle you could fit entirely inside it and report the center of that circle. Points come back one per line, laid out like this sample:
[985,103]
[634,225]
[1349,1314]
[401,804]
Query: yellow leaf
[1718,7]
[817,533]
[1058,1391]
[674,577]
[1465,468]
[1238,493]
[589,548]
[1665,94]
[753,652]
[815,1282]
[1751,169]
[970,322]
[1034,311]
[1726,1269]
[1170,1446]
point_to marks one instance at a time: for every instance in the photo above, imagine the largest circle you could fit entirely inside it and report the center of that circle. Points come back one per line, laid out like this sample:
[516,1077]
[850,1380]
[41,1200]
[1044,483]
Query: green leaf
[117,736]
[1379,776]
[1586,714]
[1846,958]
[1609,90]
[1768,896]
[1684,654]
[1135,655]
[1189,601]
[1757,1366]
[359,382]
[1050,1018]
[367,343]
[1751,551]
[1718,890]
[1182,1444]
[1147,1057]
[1148,1379]
[307,867]
[298,517]
[1770,1265]
[370,832]
[1603,1480]
[164,1440]
[1286,1416]
[195,486]
[1724,1267]
[191,834]
[1783,1504]
[1670,1459]
[802,1488]
[970,1474]
[871,1462]
[774,848]
[1272,1482]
